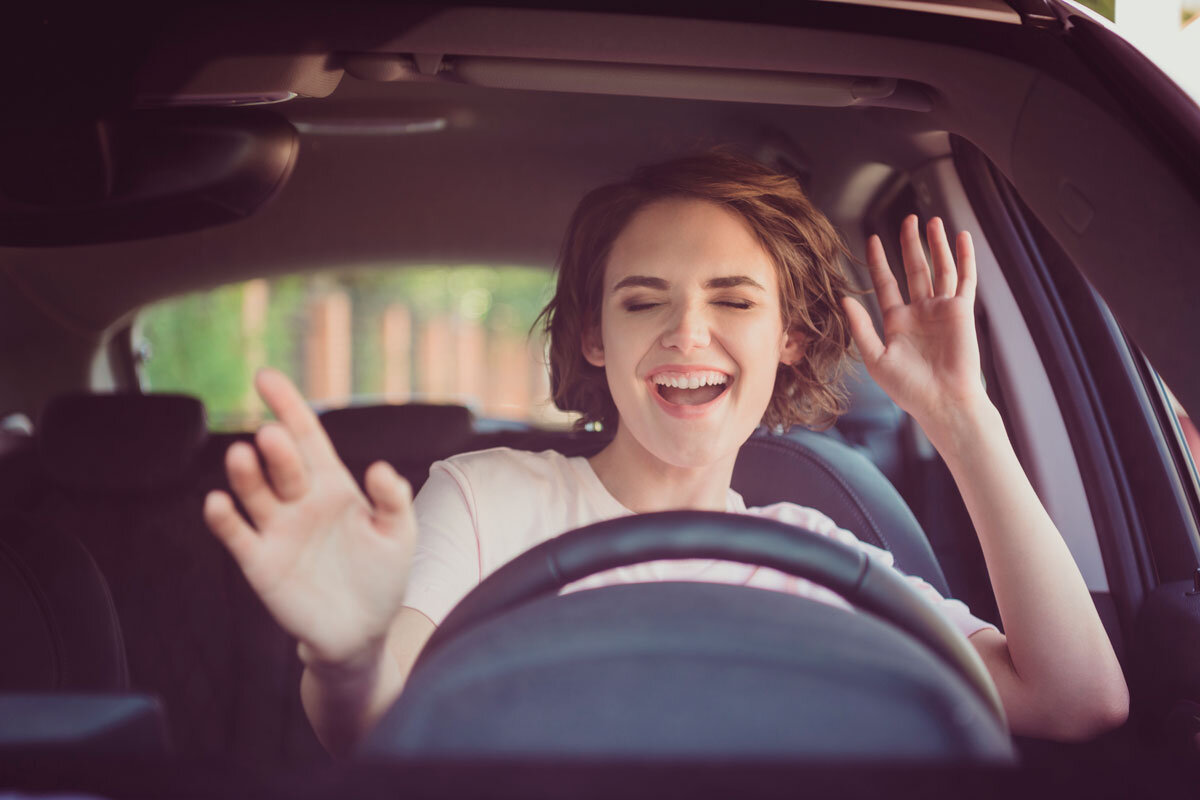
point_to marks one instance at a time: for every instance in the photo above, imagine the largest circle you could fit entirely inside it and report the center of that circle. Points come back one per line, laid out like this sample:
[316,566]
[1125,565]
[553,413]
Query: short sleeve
[445,563]
[955,612]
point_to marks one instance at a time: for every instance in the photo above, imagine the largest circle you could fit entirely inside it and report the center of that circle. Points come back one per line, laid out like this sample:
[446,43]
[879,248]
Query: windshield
[421,334]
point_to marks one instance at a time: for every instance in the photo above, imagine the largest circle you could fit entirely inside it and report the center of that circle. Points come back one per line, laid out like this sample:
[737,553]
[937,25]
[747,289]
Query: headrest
[412,432]
[814,470]
[120,441]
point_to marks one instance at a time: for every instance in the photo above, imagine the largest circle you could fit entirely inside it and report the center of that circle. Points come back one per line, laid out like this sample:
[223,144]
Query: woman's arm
[1055,669]
[330,563]
[344,701]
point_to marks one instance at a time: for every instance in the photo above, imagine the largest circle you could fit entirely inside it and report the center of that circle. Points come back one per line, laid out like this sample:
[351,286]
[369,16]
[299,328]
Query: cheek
[763,342]
[626,341]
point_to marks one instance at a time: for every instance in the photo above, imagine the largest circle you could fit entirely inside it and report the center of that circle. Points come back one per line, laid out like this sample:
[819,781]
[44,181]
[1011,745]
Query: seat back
[128,474]
[57,620]
[820,472]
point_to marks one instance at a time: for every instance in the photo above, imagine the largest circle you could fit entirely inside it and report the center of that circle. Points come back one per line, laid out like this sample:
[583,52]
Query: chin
[694,451]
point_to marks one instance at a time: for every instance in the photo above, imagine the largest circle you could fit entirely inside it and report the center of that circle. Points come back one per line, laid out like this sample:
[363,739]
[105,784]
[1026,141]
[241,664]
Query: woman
[695,301]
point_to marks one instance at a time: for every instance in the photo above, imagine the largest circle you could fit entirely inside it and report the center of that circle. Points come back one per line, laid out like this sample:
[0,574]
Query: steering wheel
[550,566]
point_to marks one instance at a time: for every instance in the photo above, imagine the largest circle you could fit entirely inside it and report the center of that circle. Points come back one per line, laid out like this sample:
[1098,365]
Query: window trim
[1118,445]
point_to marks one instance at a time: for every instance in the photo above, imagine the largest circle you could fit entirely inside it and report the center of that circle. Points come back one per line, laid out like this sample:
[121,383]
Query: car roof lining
[605,136]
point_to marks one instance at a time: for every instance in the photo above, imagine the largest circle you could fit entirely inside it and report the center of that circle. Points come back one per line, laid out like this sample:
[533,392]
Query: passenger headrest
[413,432]
[120,441]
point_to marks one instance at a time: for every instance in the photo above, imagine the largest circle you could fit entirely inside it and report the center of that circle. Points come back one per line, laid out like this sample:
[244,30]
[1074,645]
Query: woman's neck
[644,483]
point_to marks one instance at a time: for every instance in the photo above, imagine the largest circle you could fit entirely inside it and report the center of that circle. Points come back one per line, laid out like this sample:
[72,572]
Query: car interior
[405,136]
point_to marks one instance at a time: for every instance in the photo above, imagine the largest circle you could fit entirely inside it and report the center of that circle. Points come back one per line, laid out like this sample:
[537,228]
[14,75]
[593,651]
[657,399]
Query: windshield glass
[422,334]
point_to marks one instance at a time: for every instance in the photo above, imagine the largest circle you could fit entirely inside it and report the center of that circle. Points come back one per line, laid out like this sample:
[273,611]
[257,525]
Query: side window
[1187,430]
[428,334]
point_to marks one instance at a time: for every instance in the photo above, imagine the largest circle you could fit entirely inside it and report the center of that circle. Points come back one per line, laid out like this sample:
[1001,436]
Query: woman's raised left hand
[928,359]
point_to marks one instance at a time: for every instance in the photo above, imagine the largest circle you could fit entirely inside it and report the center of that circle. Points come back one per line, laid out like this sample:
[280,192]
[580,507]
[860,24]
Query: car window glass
[1188,431]
[427,334]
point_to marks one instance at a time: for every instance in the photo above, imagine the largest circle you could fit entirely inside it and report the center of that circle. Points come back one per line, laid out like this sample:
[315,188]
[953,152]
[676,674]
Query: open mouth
[691,389]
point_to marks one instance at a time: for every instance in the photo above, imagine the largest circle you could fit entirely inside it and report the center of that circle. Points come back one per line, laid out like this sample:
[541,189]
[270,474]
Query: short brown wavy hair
[805,248]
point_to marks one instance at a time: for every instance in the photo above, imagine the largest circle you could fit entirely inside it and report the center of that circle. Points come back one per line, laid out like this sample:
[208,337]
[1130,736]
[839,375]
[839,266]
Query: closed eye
[740,304]
[640,306]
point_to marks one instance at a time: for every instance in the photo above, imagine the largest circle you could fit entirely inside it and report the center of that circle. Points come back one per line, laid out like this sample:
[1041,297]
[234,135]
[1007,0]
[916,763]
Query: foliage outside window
[422,334]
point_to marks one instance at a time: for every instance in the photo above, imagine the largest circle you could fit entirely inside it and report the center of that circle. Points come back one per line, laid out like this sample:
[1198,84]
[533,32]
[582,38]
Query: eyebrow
[727,282]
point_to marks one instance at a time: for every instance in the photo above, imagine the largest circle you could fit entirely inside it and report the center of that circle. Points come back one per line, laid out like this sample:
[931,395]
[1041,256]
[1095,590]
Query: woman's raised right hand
[329,564]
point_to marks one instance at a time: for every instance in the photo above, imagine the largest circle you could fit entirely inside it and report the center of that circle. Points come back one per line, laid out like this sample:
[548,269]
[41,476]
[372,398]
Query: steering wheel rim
[666,535]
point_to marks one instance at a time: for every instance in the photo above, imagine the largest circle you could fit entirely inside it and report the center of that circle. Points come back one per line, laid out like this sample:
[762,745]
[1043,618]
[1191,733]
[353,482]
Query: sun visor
[646,80]
[140,174]
[693,83]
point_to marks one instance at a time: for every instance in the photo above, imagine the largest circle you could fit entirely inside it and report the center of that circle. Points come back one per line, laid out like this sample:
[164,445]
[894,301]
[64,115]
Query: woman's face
[691,332]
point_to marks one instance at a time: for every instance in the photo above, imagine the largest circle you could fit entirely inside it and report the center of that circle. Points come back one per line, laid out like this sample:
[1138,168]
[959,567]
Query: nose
[687,329]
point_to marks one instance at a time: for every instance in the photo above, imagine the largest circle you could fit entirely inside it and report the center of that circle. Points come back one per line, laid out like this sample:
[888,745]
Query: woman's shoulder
[507,456]
[503,464]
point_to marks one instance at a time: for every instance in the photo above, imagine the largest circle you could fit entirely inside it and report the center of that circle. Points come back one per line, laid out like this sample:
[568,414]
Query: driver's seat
[814,470]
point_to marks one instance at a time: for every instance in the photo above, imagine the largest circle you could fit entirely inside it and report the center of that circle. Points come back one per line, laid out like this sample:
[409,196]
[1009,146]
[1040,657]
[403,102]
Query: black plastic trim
[1058,338]
[1169,532]
[1179,553]
[1185,461]
[121,361]
[1162,111]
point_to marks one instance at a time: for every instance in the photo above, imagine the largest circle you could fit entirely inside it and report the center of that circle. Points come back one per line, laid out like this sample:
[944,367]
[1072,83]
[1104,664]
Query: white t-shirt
[480,510]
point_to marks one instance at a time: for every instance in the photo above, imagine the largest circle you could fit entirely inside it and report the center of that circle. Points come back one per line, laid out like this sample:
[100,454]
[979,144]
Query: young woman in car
[695,301]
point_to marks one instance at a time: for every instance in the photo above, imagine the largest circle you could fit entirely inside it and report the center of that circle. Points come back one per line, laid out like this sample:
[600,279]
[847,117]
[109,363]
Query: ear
[592,345]
[795,344]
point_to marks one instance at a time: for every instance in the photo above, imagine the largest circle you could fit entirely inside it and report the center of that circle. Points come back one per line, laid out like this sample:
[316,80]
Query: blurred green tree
[198,343]
[1106,8]
[197,347]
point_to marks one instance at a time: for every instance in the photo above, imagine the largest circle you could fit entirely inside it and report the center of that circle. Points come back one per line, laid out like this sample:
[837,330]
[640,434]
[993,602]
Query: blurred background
[1165,30]
[368,336]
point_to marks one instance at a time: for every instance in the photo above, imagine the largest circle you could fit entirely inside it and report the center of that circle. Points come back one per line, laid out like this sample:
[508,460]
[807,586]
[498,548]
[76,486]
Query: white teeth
[692,380]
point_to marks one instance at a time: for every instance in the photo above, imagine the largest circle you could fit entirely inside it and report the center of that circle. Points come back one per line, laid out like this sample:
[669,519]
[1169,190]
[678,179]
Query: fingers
[920,287]
[951,275]
[967,278]
[227,525]
[249,484]
[390,494]
[286,402]
[881,275]
[945,275]
[863,331]
[285,466]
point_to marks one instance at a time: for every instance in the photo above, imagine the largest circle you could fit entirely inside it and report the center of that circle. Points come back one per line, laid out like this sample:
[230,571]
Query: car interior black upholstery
[60,624]
[121,478]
